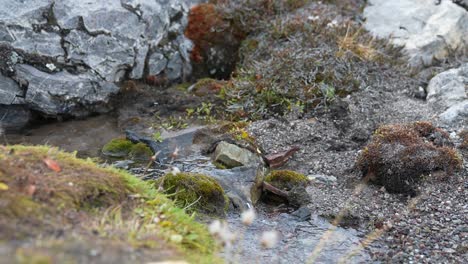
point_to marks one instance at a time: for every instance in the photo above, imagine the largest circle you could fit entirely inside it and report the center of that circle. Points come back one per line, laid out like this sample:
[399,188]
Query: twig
[273,189]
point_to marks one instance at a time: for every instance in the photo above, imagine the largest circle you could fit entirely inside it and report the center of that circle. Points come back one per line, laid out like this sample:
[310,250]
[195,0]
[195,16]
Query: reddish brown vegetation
[156,80]
[201,29]
[399,155]
[216,41]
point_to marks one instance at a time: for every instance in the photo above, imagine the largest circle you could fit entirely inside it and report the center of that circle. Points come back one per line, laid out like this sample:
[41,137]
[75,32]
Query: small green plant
[157,137]
[328,91]
[175,123]
[190,112]
[204,109]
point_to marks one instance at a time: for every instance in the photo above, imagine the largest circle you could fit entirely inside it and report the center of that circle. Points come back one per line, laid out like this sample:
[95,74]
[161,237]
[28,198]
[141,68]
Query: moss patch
[117,147]
[94,205]
[400,155]
[197,192]
[286,179]
[124,148]
[141,152]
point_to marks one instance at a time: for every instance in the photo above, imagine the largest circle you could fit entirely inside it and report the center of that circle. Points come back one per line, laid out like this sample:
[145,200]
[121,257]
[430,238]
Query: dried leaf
[3,187]
[52,164]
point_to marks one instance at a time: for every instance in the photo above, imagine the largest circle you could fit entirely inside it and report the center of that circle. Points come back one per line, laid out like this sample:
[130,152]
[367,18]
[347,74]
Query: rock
[232,156]
[243,185]
[326,179]
[298,197]
[123,164]
[427,29]
[182,141]
[64,93]
[447,92]
[66,55]
[13,117]
[302,214]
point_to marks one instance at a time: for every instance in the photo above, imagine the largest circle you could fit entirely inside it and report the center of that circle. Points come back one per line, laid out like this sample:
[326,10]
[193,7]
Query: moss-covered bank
[64,206]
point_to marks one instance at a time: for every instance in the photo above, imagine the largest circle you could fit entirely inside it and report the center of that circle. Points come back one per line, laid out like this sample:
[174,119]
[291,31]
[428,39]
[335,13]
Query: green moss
[286,179]
[219,165]
[183,86]
[197,192]
[35,204]
[117,147]
[140,151]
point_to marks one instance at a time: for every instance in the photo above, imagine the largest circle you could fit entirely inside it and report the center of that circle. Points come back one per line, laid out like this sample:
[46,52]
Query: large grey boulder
[64,57]
[428,30]
[447,92]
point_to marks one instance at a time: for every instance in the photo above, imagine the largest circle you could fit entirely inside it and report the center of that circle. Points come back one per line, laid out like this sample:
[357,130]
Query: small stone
[232,156]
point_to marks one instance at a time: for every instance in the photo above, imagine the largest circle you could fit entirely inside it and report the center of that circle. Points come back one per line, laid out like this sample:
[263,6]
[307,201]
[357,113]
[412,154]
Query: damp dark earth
[234,131]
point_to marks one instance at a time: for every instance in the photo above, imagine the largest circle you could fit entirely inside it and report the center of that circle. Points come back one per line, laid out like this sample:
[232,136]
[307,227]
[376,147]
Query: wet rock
[232,156]
[400,155]
[427,29]
[243,185]
[13,117]
[182,141]
[448,94]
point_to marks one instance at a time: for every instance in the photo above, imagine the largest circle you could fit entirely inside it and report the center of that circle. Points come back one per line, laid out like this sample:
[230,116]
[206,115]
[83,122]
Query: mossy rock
[286,179]
[118,147]
[45,191]
[400,155]
[140,152]
[197,192]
